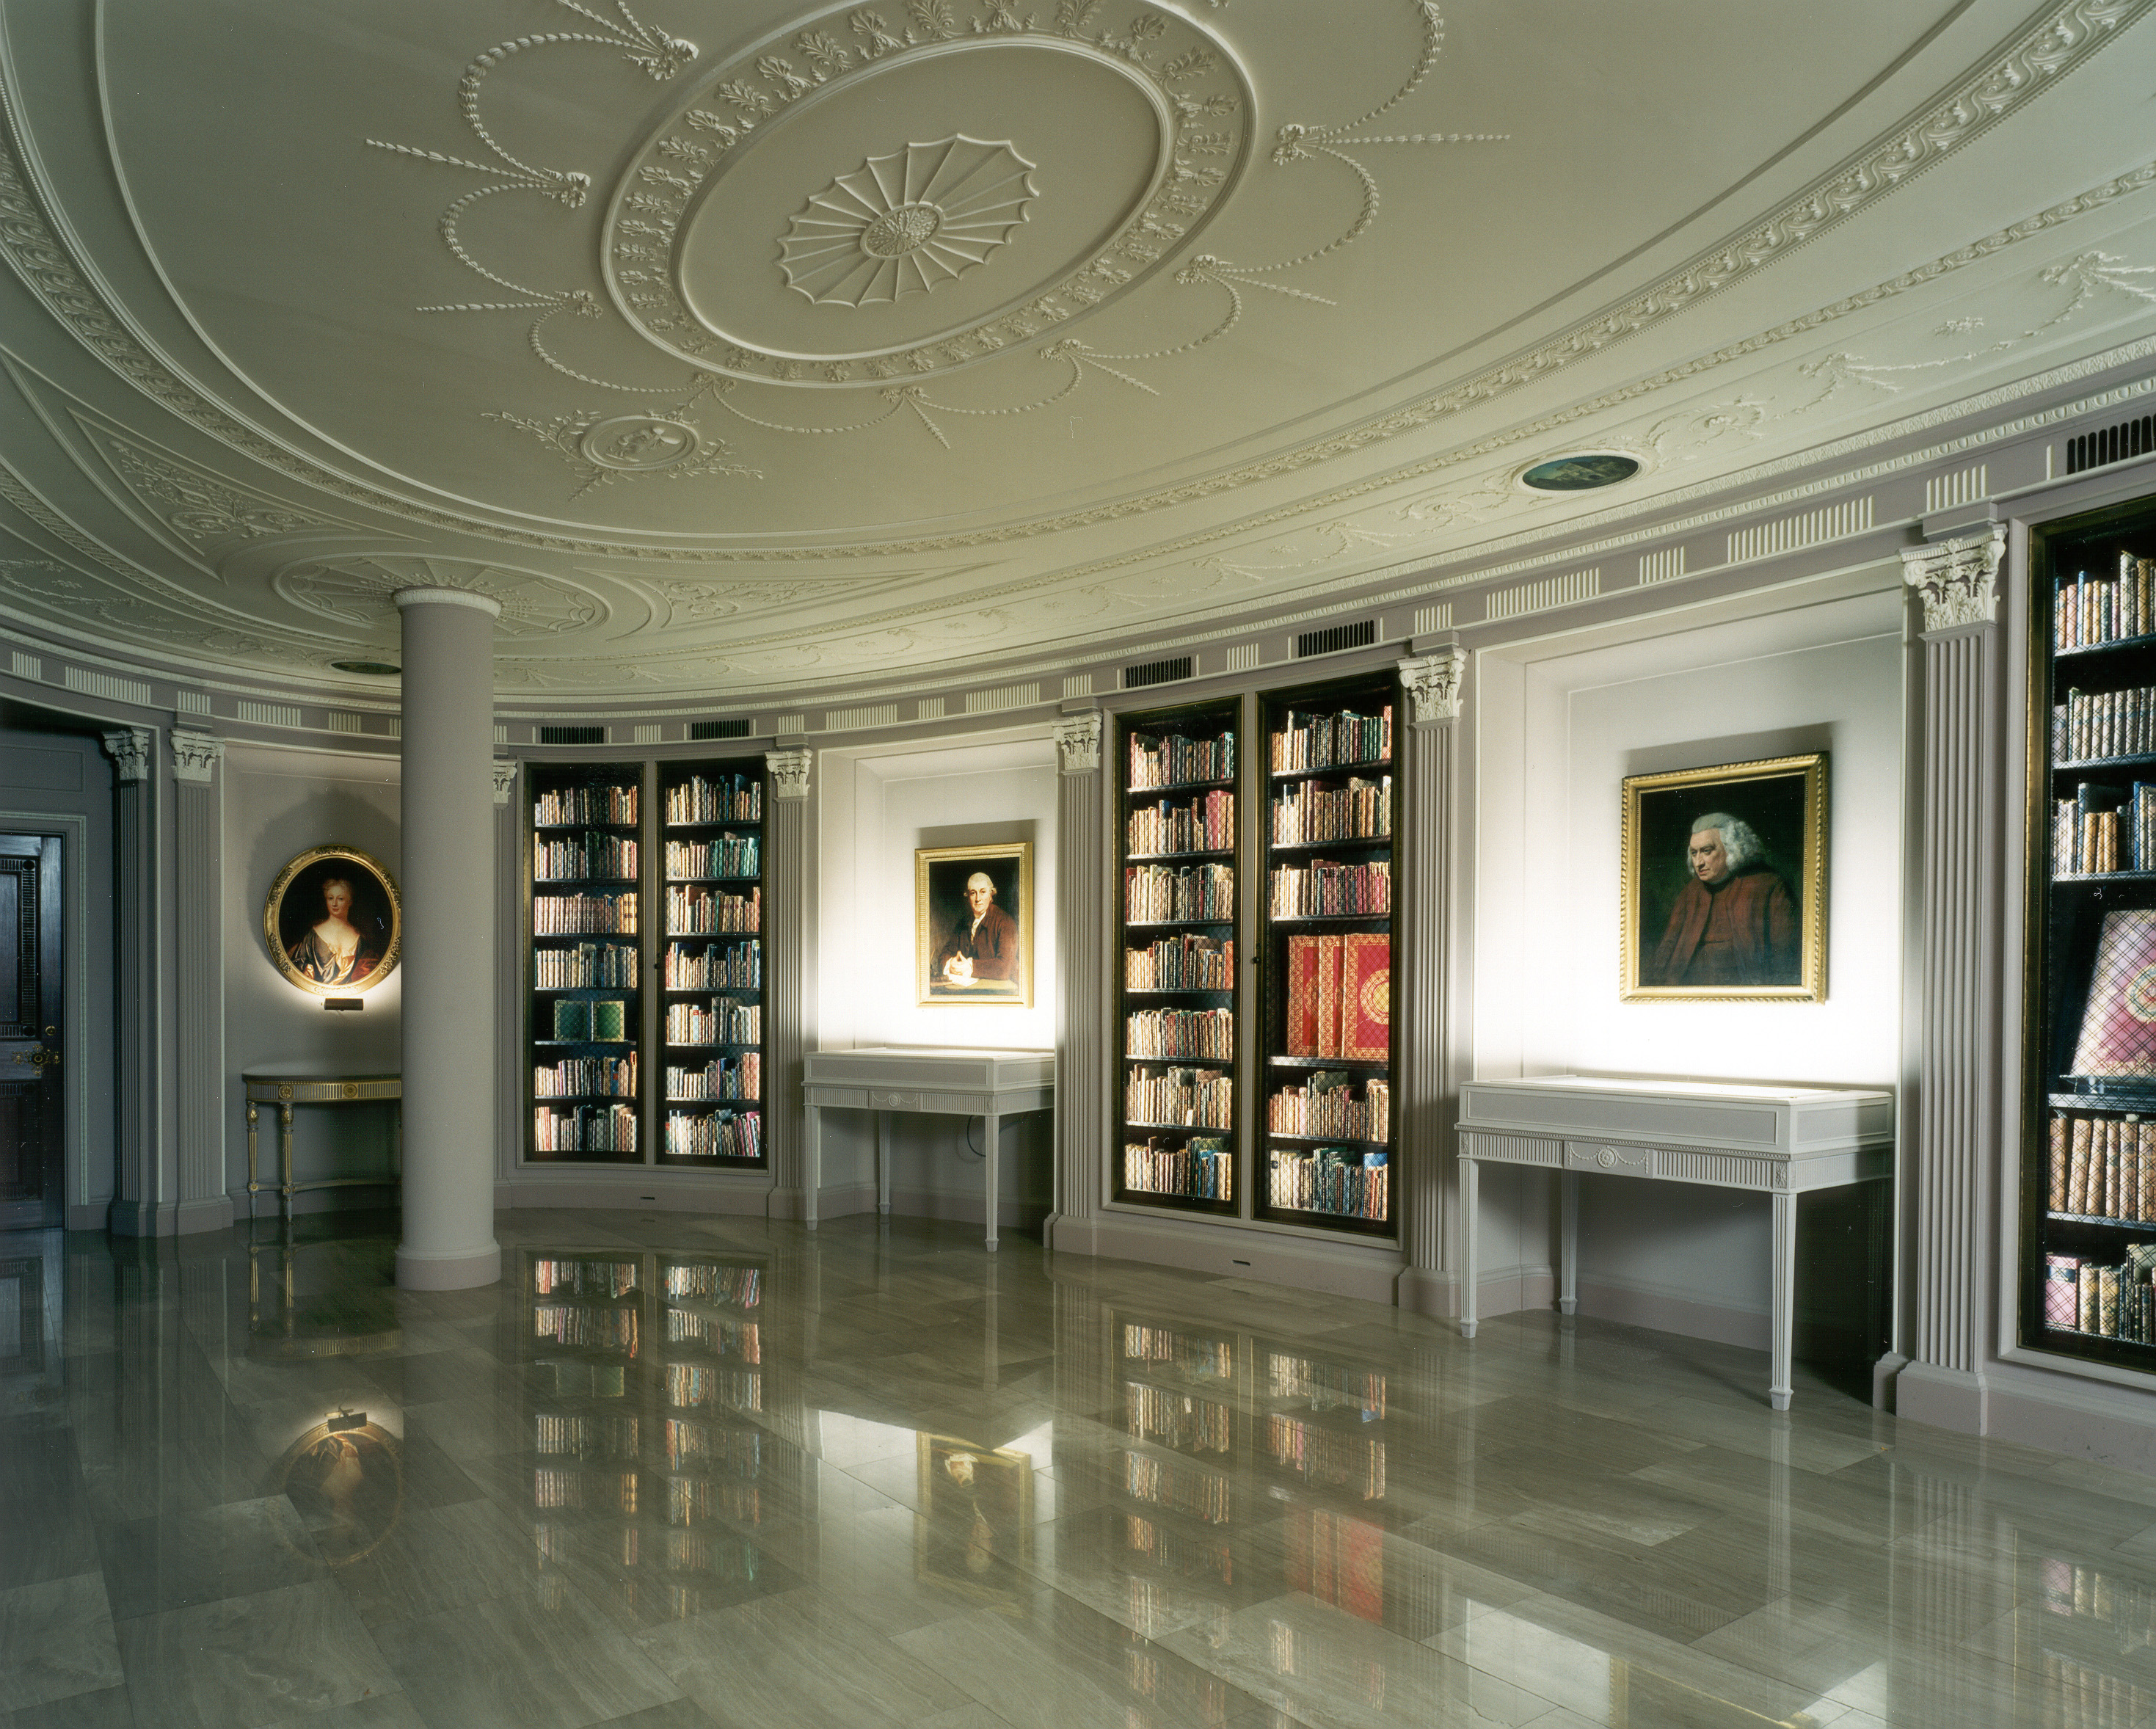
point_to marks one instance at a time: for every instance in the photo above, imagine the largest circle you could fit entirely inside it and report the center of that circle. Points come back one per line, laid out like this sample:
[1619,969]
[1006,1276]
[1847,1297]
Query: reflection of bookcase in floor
[584,1334]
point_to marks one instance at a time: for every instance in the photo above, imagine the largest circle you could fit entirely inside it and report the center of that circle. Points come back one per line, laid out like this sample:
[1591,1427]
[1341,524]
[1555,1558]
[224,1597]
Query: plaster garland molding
[133,752]
[1958,579]
[1078,739]
[1432,682]
[505,779]
[196,756]
[789,772]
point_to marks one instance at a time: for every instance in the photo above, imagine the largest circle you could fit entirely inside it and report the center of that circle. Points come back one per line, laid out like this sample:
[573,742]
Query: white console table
[1781,1141]
[987,1083]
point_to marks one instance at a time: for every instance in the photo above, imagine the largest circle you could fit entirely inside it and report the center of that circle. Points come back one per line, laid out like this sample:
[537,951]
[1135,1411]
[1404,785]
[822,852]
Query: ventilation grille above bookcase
[737,728]
[572,734]
[2111,443]
[1159,672]
[1336,637]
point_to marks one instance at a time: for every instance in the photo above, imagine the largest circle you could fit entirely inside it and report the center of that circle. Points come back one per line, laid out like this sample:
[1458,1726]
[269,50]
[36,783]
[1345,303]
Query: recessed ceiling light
[370,668]
[1580,473]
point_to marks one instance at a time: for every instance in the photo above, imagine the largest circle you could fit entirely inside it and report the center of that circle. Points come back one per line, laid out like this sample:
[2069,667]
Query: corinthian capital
[195,755]
[1078,737]
[130,749]
[1958,579]
[789,772]
[1432,682]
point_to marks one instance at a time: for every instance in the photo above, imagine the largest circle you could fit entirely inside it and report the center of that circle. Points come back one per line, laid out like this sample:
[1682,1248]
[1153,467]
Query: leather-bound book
[1328,996]
[1366,992]
[2118,1025]
[2061,1301]
[1303,996]
[2061,1135]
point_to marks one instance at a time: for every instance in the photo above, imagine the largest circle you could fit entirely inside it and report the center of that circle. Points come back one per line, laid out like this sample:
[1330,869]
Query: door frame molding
[73,833]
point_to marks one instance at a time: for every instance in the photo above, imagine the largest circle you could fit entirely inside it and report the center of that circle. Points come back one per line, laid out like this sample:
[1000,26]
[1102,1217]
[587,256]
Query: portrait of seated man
[1735,922]
[983,950]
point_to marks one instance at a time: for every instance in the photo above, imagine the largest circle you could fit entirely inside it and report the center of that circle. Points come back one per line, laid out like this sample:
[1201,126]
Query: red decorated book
[2118,1026]
[1303,996]
[1366,996]
[1328,996]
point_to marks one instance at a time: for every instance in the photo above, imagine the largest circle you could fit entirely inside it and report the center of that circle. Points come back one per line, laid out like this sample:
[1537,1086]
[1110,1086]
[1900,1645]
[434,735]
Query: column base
[459,1269]
[1425,1291]
[1945,1397]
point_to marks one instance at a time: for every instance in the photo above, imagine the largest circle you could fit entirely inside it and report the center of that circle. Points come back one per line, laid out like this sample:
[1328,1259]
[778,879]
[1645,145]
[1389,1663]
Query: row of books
[1306,813]
[1324,890]
[612,806]
[611,1436]
[1326,1386]
[1324,1455]
[1339,996]
[723,855]
[2091,610]
[1203,1494]
[740,1077]
[690,1384]
[697,1500]
[2090,725]
[585,1077]
[2069,1587]
[2080,1695]
[738,967]
[1190,962]
[1329,1179]
[723,1022]
[1327,741]
[706,912]
[2103,1166]
[1325,1104]
[584,914]
[1174,761]
[1193,1355]
[584,1128]
[608,965]
[1180,1098]
[1181,1032]
[2101,830]
[584,1278]
[729,798]
[715,1135]
[2111,1302]
[608,1492]
[686,1442]
[586,1327]
[583,858]
[741,1286]
[1205,825]
[1201,1165]
[722,1335]
[1155,892]
[581,1380]
[603,1020]
[1175,1419]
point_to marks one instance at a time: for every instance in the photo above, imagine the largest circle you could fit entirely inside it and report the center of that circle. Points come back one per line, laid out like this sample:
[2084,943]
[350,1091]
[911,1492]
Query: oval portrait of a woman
[332,922]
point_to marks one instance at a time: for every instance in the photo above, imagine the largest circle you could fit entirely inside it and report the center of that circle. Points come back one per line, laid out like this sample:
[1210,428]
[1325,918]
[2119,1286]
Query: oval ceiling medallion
[906,223]
[1581,472]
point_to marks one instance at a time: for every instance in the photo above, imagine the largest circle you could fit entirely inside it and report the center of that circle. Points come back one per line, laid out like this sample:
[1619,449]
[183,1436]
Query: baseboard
[1061,1234]
[214,1215]
[90,1216]
[143,1218]
[1351,1270]
[1425,1291]
[1884,1374]
[368,1198]
[736,1192]
[1944,1397]
[1667,1311]
[1016,1215]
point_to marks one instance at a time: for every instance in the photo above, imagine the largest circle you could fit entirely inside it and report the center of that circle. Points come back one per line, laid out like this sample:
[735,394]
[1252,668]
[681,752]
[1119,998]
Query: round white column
[449,957]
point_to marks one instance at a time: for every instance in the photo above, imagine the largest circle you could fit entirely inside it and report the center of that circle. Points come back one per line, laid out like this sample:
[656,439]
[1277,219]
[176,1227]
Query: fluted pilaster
[142,1205]
[1082,1051]
[198,981]
[785,939]
[1426,1097]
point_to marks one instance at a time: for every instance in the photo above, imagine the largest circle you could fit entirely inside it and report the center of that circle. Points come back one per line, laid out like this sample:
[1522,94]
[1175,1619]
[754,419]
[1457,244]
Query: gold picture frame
[1679,940]
[319,948]
[964,955]
[975,1532]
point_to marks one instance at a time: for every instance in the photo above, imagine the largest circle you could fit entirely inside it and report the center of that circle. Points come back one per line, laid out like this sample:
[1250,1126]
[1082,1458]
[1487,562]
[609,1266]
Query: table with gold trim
[286,1090]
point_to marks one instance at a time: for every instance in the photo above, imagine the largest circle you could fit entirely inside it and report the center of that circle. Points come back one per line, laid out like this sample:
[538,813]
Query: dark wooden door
[31,1189]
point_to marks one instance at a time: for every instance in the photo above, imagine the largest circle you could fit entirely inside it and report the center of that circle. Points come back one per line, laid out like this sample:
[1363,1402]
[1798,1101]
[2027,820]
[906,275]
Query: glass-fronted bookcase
[1259,1090]
[646,967]
[2089,1170]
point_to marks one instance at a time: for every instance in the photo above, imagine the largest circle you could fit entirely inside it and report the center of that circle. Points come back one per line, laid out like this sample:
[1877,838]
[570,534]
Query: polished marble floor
[678,1471]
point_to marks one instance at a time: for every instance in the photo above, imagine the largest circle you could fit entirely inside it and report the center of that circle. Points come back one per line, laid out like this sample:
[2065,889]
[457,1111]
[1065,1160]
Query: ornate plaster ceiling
[742,347]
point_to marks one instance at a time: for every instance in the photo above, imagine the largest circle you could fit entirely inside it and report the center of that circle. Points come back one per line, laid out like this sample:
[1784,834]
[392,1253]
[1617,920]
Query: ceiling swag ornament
[906,223]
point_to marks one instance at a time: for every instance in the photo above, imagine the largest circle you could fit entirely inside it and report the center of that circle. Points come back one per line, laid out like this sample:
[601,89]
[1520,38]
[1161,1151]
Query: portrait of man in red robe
[1734,923]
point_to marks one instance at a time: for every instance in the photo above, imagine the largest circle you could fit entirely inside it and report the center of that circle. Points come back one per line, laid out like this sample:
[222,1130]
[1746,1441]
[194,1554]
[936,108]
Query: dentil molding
[132,749]
[1957,580]
[1433,684]
[1078,737]
[789,772]
[195,757]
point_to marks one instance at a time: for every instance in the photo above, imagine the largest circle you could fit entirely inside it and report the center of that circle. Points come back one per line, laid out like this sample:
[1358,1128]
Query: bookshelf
[712,968]
[1325,955]
[586,906]
[2089,1172]
[1180,844]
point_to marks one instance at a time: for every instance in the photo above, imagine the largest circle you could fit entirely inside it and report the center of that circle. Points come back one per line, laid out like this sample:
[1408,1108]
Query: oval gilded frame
[273,910]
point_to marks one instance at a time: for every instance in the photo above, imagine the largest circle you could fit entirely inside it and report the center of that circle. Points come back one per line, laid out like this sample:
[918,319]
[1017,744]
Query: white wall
[1560,724]
[278,803]
[876,805]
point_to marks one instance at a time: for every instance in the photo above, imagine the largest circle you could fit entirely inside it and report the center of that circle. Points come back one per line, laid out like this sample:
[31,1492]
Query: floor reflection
[679,1471]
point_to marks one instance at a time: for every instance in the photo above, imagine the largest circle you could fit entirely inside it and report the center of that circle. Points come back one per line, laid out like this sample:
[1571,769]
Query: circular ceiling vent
[1581,472]
[368,668]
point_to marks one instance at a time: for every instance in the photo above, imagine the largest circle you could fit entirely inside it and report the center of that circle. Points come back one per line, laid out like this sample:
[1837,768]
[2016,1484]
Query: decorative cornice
[132,749]
[789,772]
[407,599]
[195,757]
[1958,579]
[1079,739]
[505,779]
[1433,684]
